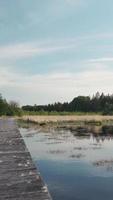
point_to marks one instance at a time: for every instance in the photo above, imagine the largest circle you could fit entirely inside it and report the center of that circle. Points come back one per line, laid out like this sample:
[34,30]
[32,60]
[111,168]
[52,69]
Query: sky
[54,50]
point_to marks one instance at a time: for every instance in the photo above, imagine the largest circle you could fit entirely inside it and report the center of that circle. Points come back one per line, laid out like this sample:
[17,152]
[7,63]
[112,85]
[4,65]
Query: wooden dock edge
[19,177]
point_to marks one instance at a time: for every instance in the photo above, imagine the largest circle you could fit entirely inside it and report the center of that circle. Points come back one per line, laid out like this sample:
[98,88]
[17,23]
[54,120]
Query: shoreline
[66,118]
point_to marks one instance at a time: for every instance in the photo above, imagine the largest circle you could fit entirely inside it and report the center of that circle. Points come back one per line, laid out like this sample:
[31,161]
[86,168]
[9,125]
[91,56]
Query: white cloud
[104,59]
[49,46]
[47,88]
[25,50]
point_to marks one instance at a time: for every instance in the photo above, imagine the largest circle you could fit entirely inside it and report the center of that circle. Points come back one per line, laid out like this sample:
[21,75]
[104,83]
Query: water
[74,167]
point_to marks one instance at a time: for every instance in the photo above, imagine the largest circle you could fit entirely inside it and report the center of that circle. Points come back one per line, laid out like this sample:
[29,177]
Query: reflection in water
[96,131]
[76,163]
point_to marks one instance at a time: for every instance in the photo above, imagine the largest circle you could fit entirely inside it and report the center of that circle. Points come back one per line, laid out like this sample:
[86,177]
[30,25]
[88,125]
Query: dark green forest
[98,103]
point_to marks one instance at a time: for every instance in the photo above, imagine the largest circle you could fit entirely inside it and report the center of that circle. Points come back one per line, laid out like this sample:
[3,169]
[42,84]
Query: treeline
[9,109]
[98,103]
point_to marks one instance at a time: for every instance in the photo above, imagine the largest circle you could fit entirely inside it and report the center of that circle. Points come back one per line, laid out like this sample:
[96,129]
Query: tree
[14,108]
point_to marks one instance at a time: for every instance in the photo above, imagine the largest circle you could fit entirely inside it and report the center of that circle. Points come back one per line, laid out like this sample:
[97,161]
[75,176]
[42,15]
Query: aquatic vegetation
[107,164]
[56,151]
[93,122]
[80,148]
[78,156]
[107,130]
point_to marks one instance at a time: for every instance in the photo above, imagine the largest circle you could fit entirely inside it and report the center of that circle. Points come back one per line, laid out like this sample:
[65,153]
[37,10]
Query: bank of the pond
[82,125]
[67,118]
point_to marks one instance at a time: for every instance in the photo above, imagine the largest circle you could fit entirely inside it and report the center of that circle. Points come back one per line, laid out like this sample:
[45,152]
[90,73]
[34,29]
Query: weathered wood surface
[19,179]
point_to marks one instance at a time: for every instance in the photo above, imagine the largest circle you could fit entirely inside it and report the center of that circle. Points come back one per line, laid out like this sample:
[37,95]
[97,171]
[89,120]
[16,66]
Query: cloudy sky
[54,50]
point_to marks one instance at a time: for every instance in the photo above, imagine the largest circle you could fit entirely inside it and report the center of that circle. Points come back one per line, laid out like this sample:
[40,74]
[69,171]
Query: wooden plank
[19,178]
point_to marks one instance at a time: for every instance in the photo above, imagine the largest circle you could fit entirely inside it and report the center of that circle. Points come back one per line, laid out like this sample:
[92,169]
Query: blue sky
[54,50]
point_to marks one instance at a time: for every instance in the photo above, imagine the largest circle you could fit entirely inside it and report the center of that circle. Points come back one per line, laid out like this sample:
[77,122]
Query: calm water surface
[74,167]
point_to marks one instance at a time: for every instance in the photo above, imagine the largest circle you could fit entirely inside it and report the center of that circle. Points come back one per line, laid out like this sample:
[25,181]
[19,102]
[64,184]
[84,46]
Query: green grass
[60,113]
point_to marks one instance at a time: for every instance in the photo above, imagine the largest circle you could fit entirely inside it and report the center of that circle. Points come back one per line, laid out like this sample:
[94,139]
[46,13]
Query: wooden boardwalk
[19,179]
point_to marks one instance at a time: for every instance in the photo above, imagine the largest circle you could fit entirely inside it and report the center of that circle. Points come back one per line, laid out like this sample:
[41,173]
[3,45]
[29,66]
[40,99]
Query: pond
[76,164]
